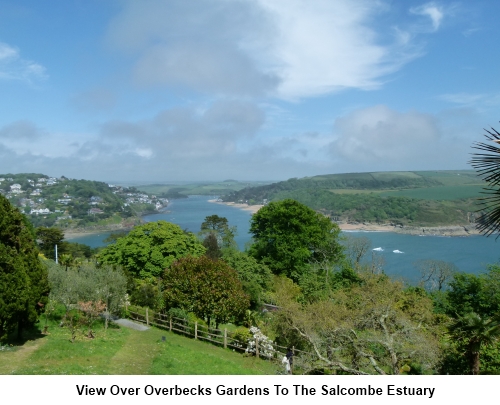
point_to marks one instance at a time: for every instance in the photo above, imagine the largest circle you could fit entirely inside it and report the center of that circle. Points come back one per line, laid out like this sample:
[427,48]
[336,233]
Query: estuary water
[398,252]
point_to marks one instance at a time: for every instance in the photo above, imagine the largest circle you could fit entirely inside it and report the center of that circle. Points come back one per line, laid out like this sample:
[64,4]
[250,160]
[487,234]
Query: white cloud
[289,49]
[13,67]
[20,130]
[462,98]
[431,10]
[379,138]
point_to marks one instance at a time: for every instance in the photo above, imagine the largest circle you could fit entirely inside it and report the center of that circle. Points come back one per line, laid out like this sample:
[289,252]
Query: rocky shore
[439,230]
[449,230]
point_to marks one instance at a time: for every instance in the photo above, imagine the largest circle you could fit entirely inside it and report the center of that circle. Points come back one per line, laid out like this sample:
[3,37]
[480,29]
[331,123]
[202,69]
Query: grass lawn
[122,351]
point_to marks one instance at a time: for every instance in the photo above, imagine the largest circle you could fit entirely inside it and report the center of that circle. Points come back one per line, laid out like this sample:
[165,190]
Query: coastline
[447,230]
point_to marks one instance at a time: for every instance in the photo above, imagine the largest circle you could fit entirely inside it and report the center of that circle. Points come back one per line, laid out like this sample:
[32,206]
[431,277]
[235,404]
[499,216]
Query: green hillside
[416,198]
[70,203]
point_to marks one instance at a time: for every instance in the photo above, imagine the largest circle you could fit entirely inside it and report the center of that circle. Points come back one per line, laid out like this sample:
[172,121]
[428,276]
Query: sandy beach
[251,208]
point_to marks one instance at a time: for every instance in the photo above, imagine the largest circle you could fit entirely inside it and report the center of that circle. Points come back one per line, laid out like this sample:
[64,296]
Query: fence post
[147,317]
[196,330]
[291,359]
[170,324]
[257,347]
[225,338]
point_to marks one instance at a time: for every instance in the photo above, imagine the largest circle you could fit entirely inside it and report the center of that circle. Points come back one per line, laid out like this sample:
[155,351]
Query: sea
[397,253]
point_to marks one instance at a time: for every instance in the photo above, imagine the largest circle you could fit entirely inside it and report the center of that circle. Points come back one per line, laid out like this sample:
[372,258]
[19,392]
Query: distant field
[218,188]
[438,193]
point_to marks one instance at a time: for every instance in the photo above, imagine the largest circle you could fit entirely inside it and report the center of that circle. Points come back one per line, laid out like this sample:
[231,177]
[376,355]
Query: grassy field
[450,193]
[122,351]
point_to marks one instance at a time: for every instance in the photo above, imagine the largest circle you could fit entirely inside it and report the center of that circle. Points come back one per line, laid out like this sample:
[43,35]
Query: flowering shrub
[266,348]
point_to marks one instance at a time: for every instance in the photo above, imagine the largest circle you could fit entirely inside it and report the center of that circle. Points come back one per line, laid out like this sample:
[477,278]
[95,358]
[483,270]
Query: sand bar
[251,208]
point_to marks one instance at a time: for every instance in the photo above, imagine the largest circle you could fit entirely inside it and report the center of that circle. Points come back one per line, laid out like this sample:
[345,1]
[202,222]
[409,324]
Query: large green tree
[148,249]
[23,279]
[209,288]
[288,236]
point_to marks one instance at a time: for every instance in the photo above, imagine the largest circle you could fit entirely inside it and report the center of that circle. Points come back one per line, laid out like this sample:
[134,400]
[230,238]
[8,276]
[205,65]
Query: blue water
[470,254]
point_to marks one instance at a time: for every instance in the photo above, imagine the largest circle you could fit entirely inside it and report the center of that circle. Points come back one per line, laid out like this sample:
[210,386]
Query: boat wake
[379,249]
[397,251]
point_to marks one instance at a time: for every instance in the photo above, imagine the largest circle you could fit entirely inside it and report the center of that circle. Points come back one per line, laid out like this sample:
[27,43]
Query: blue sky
[175,90]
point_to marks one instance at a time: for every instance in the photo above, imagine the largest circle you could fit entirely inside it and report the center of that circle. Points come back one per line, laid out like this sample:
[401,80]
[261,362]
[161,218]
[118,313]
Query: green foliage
[148,249]
[87,283]
[23,279]
[475,293]
[375,326]
[213,249]
[473,302]
[288,236]
[219,227]
[47,239]
[487,164]
[373,181]
[254,276]
[400,197]
[210,289]
[145,294]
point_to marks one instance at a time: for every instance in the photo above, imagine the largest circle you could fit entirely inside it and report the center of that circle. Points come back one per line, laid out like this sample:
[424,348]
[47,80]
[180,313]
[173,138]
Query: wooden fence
[222,338]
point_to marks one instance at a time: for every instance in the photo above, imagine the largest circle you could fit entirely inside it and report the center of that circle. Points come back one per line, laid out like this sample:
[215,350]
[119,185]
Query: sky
[208,90]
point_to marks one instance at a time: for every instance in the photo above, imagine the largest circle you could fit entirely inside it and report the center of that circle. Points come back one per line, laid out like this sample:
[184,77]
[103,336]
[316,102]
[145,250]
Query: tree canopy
[48,238]
[288,235]
[23,279]
[254,276]
[148,249]
[213,225]
[208,288]
[373,327]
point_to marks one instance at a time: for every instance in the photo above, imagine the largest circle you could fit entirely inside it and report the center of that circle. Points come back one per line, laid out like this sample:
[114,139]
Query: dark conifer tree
[23,278]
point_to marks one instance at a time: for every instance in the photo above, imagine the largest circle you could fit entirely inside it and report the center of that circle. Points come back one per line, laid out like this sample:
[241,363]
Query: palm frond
[487,164]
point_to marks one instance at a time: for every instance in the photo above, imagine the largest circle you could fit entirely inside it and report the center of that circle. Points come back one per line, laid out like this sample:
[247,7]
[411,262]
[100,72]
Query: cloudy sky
[176,90]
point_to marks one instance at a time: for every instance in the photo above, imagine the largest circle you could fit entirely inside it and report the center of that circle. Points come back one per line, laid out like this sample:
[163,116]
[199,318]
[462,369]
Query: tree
[487,164]
[474,306]
[148,249]
[219,227]
[475,332]
[102,287]
[288,236]
[254,276]
[435,274]
[212,246]
[48,238]
[356,248]
[209,288]
[374,327]
[24,287]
